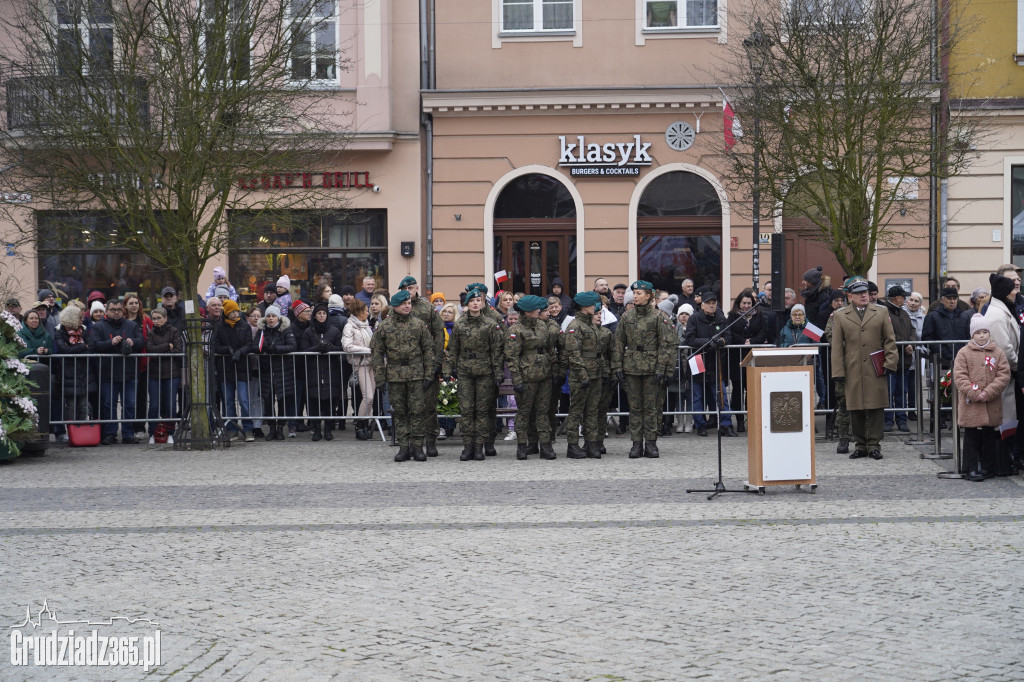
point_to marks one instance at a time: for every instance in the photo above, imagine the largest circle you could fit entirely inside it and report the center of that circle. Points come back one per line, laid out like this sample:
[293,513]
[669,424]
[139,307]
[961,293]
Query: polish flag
[697,364]
[501,277]
[813,332]
[731,124]
[1008,429]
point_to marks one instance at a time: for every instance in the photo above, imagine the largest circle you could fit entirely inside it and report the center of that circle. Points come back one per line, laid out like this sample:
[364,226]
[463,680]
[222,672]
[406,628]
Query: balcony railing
[37,103]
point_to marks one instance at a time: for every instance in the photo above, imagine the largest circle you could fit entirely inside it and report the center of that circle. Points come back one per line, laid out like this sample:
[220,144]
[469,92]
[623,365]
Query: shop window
[534,196]
[77,256]
[679,232]
[309,247]
[1017,215]
[680,14]
[536,15]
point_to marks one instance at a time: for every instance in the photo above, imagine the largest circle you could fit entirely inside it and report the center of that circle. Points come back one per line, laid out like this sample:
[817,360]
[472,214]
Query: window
[308,247]
[675,14]
[76,257]
[314,52]
[1017,215]
[85,36]
[536,15]
[835,13]
[227,46]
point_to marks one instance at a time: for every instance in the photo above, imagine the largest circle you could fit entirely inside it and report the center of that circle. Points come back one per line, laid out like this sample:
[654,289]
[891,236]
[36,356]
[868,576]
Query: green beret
[477,285]
[408,280]
[399,298]
[585,298]
[642,284]
[531,302]
[473,293]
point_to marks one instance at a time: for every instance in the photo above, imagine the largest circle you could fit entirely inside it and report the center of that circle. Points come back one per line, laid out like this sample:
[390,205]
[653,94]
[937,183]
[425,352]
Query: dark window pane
[666,260]
[535,196]
[679,194]
[1017,214]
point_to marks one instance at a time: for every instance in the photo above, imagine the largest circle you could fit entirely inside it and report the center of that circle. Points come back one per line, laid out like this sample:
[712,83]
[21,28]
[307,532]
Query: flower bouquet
[944,384]
[448,397]
[18,414]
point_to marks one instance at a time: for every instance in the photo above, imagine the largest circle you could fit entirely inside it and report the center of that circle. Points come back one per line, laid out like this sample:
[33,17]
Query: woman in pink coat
[981,373]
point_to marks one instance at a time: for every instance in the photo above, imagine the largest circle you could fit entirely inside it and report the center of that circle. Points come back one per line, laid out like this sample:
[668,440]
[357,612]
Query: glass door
[533,262]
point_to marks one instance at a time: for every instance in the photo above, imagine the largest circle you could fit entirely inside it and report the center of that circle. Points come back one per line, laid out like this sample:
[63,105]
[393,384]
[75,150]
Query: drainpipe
[933,220]
[944,226]
[427,122]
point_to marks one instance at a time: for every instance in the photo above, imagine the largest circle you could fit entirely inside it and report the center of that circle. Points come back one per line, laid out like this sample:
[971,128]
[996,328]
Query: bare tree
[162,116]
[850,112]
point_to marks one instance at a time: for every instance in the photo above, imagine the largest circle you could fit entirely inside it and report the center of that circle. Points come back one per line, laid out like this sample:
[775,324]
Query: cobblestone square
[312,561]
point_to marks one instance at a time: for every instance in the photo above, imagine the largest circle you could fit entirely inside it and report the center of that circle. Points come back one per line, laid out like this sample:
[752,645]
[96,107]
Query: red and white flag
[731,124]
[813,332]
[697,364]
[501,277]
[1008,429]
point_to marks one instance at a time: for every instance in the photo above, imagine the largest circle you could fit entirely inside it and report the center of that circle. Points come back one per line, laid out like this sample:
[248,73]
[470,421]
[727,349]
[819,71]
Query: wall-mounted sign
[15,198]
[336,180]
[584,158]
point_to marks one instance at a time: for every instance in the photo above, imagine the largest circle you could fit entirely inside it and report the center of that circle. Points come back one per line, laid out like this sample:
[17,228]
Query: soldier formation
[409,357]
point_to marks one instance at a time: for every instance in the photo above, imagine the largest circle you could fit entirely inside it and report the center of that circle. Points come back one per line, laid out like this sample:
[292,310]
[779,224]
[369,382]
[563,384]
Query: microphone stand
[720,396]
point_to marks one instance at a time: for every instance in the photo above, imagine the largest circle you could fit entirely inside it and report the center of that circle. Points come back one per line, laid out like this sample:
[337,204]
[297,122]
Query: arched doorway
[679,232]
[535,234]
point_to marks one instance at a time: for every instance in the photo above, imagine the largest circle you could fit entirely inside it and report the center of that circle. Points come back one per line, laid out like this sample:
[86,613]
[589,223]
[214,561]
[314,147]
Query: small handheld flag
[813,332]
[501,277]
[697,364]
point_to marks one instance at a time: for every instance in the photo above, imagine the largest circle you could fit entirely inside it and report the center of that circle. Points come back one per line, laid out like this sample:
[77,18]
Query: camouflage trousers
[553,398]
[646,399]
[842,416]
[532,405]
[431,427]
[584,407]
[607,391]
[476,396]
[407,404]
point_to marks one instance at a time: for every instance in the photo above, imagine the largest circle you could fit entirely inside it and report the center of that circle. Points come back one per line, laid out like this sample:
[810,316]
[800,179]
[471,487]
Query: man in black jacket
[120,339]
[941,325]
[900,381]
[704,325]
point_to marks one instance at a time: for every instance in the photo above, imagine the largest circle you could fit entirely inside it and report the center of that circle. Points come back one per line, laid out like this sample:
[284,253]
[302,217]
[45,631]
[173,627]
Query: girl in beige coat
[981,372]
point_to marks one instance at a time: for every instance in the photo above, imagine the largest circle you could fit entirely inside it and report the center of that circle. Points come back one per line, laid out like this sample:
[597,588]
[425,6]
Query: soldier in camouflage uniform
[842,419]
[475,357]
[582,352]
[643,358]
[529,347]
[558,369]
[422,310]
[401,353]
[492,414]
[604,364]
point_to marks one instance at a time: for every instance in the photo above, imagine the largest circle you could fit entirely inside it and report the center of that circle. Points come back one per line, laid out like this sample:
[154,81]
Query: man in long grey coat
[858,330]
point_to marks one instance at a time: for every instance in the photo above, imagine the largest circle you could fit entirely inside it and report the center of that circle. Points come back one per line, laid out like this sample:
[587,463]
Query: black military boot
[489,449]
[600,447]
[329,431]
[547,451]
[479,452]
[418,454]
[403,454]
[844,447]
[522,450]
[637,450]
[651,449]
[432,450]
[532,449]
[467,453]
[574,451]
[592,450]
[317,435]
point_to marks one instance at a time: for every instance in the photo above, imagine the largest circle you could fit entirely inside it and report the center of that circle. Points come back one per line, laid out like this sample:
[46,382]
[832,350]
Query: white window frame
[645,33]
[334,19]
[84,28]
[499,35]
[680,24]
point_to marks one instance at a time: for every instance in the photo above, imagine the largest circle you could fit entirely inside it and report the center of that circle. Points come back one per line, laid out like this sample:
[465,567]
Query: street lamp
[758,47]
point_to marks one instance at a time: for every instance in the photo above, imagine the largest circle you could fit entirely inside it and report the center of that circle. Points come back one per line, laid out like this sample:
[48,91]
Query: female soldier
[529,348]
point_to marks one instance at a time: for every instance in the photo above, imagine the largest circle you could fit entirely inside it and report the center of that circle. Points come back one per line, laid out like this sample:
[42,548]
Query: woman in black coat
[164,373]
[274,339]
[323,371]
[231,340]
[73,373]
[748,331]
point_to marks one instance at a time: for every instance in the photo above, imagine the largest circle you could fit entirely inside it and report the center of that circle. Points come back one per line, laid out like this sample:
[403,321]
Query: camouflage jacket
[401,349]
[604,351]
[476,348]
[644,343]
[559,363]
[582,350]
[422,310]
[529,350]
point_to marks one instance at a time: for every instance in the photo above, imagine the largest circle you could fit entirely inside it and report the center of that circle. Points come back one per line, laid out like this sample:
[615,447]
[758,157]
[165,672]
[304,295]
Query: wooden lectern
[780,417]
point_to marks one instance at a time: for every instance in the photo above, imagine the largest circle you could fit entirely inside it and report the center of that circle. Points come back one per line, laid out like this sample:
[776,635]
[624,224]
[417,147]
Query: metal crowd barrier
[294,374]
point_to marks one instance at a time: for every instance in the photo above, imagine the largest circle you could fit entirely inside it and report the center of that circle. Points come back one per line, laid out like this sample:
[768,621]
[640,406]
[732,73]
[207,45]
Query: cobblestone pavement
[312,561]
